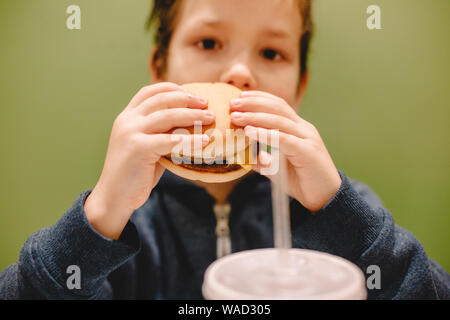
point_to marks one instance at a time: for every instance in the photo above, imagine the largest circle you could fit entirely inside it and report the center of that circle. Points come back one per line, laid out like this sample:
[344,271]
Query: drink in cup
[275,274]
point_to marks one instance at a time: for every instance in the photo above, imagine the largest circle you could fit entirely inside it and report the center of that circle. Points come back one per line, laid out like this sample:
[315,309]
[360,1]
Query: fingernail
[236,102]
[208,113]
[198,98]
[176,138]
[236,115]
[250,131]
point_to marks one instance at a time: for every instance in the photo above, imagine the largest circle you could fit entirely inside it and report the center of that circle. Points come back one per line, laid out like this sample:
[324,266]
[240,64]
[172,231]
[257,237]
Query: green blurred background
[380,100]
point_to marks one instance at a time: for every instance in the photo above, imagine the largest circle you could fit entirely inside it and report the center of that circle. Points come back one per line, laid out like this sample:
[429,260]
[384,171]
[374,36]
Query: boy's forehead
[280,16]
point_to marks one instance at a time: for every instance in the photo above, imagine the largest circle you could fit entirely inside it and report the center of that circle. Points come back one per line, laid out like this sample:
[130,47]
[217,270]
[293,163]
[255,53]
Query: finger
[174,99]
[151,90]
[288,144]
[269,121]
[165,144]
[262,161]
[266,167]
[163,120]
[264,104]
[258,93]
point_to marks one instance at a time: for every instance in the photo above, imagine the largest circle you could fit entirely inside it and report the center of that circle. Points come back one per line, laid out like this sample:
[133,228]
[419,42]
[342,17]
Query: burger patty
[213,167]
[216,168]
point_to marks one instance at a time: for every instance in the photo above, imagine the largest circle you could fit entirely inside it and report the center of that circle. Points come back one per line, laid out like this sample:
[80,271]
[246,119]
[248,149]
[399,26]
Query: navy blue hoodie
[169,242]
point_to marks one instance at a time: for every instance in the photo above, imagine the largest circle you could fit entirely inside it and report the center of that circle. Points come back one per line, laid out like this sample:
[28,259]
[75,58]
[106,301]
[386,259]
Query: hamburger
[229,154]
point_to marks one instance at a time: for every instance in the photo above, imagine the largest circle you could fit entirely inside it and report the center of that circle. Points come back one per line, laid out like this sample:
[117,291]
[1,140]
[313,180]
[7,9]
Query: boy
[145,233]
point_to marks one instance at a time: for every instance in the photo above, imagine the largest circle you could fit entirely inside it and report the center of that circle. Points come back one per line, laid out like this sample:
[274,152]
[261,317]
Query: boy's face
[252,44]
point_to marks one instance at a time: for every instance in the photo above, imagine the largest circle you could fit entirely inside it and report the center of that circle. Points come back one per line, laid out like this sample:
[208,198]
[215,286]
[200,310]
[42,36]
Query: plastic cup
[291,274]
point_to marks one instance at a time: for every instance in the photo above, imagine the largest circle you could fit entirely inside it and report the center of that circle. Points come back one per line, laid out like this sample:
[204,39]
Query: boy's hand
[138,139]
[312,176]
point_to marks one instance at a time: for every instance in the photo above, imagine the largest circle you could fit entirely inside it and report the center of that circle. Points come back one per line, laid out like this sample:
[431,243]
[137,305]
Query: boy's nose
[240,76]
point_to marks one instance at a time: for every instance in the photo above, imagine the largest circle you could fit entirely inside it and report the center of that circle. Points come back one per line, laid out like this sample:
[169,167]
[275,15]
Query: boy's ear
[154,64]
[303,85]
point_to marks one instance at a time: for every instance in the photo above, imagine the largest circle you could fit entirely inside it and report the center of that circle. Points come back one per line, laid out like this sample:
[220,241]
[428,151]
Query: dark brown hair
[164,14]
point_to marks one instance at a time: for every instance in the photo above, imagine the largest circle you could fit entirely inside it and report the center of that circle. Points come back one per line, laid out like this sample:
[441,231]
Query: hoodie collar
[197,198]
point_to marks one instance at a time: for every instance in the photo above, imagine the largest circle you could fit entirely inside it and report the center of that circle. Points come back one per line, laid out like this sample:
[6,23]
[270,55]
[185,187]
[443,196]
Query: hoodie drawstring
[222,213]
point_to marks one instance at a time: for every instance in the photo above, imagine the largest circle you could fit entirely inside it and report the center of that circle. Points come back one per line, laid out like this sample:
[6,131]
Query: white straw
[280,204]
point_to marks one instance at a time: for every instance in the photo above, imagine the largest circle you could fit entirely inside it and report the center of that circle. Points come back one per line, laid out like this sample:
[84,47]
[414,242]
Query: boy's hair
[164,14]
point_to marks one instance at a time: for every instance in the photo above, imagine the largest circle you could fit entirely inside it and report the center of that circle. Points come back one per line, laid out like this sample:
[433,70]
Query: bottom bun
[209,177]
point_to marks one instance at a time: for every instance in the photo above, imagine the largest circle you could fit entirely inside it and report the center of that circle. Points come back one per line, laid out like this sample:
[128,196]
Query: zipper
[222,213]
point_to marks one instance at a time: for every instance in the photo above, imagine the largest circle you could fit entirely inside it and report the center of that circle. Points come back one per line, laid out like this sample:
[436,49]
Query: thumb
[268,165]
[264,163]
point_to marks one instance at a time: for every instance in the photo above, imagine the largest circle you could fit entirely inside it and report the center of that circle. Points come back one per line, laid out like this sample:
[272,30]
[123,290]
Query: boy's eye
[208,44]
[271,54]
